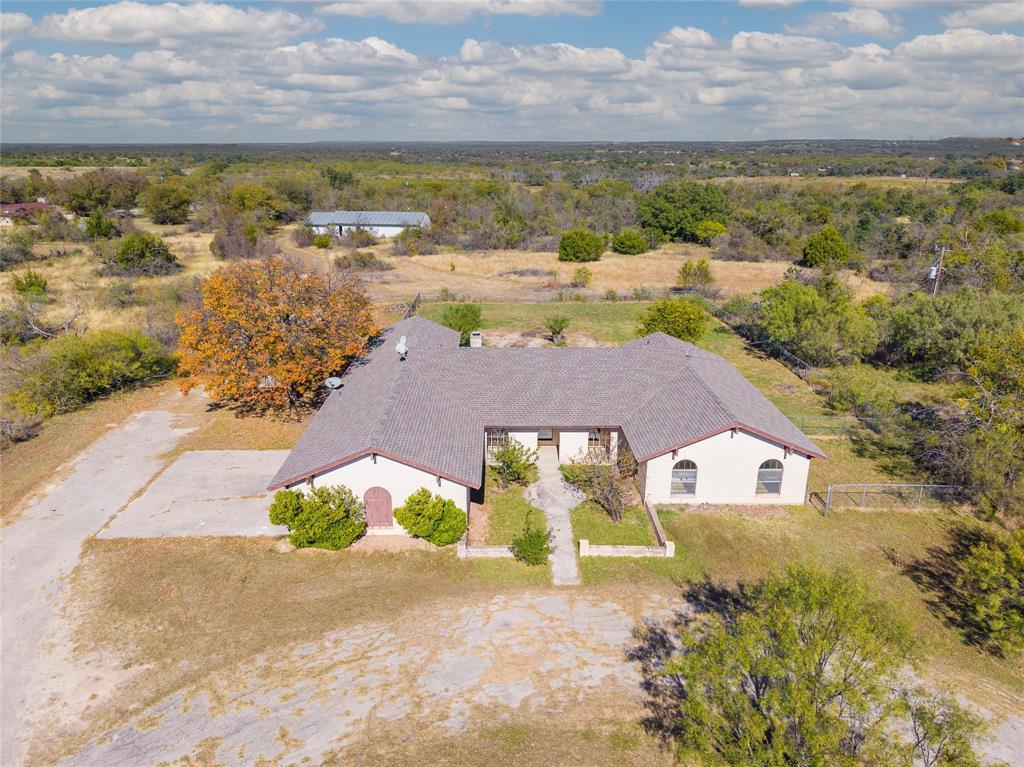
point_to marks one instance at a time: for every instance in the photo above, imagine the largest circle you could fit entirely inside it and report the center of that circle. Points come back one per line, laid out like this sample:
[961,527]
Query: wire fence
[887,496]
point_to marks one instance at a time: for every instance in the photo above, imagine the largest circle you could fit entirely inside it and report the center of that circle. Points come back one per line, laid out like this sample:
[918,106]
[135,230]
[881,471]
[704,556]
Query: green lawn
[592,523]
[509,512]
[730,547]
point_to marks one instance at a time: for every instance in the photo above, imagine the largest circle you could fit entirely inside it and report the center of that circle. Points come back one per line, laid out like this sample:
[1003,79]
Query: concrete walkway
[42,547]
[550,495]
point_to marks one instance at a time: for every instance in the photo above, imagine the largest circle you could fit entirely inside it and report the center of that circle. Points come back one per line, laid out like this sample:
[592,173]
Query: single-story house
[22,211]
[380,223]
[417,410]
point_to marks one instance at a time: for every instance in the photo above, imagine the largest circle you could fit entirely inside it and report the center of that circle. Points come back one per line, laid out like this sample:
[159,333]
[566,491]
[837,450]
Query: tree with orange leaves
[266,334]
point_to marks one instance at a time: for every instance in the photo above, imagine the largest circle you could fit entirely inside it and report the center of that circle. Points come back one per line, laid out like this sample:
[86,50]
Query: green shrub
[679,318]
[431,517]
[581,278]
[464,318]
[166,202]
[412,241]
[322,241]
[99,227]
[324,518]
[359,238]
[513,463]
[630,242]
[556,325]
[533,545]
[827,248]
[991,579]
[17,249]
[362,261]
[30,284]
[706,231]
[694,275]
[71,370]
[580,245]
[138,253]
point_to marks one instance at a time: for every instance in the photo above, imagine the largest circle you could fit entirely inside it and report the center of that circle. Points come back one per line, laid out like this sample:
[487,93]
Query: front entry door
[547,437]
[377,507]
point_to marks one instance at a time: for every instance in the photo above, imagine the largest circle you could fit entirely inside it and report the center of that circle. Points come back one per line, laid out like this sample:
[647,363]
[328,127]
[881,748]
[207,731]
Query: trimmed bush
[679,318]
[827,248]
[71,370]
[325,518]
[322,241]
[580,245]
[139,253]
[431,517]
[630,242]
[514,462]
[533,545]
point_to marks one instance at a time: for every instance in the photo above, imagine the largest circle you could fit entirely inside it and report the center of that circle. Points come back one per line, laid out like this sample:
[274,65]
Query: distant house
[381,223]
[427,412]
[21,211]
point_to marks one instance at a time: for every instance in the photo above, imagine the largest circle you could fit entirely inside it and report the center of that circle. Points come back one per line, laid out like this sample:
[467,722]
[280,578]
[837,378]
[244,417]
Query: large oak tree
[266,334]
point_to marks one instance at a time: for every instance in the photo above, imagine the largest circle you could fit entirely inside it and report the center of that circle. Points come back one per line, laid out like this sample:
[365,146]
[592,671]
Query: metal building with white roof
[380,223]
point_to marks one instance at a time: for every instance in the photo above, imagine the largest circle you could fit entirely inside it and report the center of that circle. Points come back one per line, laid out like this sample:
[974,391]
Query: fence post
[828,500]
[920,495]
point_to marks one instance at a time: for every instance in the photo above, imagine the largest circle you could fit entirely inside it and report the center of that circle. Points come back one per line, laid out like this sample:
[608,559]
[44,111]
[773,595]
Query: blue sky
[510,69]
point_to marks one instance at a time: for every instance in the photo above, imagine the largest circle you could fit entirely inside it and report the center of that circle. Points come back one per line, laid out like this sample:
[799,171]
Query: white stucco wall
[377,231]
[727,471]
[527,439]
[397,478]
[572,443]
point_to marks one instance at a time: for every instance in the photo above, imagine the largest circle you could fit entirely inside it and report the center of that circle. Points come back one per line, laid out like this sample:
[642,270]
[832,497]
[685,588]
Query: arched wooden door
[377,507]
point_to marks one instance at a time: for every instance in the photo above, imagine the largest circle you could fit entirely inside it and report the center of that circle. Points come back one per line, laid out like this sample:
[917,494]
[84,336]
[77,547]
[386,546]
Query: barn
[380,223]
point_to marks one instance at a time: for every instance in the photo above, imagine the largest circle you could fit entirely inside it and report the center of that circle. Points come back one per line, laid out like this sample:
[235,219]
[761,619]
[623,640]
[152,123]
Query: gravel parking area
[205,492]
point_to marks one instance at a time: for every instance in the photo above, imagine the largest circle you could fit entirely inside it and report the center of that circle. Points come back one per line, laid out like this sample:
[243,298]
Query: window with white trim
[496,439]
[684,478]
[769,478]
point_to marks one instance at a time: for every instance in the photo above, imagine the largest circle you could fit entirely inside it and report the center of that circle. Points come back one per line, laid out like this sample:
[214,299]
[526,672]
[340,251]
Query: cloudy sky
[510,69]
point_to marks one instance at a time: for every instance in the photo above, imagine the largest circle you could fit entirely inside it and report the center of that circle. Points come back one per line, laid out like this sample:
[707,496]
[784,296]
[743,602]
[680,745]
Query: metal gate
[377,507]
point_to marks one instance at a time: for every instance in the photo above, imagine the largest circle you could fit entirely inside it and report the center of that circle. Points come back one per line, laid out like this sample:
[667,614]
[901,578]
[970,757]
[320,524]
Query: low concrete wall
[464,551]
[588,549]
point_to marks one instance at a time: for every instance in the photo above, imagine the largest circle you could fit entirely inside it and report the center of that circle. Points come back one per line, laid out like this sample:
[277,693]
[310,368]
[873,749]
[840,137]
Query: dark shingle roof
[431,410]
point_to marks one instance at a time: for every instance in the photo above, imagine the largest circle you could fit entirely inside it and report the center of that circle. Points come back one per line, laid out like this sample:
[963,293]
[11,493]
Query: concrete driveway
[205,492]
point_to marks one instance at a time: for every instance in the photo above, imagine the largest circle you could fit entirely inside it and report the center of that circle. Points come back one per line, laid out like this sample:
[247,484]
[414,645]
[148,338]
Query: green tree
[431,517]
[706,231]
[324,518]
[798,672]
[991,578]
[942,732]
[677,209]
[694,275]
[630,242]
[819,328]
[138,253]
[464,318]
[99,227]
[826,249]
[675,317]
[166,202]
[580,245]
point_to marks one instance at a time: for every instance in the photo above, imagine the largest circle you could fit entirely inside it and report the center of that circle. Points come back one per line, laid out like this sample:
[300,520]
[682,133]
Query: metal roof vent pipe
[476,339]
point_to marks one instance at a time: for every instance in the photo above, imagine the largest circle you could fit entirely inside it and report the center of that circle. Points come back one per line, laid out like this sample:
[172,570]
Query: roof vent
[476,339]
[401,348]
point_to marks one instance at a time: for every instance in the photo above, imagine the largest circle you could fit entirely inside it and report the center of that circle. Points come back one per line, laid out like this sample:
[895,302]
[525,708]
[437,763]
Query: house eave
[744,427]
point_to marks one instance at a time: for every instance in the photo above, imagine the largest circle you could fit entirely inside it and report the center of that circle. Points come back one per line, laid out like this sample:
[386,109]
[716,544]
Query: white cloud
[456,11]
[960,45]
[769,3]
[765,48]
[12,27]
[860,21]
[1002,15]
[170,24]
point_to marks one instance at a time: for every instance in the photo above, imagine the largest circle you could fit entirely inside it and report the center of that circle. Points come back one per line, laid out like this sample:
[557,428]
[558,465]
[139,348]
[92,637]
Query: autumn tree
[265,334]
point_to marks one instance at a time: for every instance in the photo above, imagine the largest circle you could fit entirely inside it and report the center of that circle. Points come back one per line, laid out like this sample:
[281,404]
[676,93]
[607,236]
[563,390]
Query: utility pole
[936,270]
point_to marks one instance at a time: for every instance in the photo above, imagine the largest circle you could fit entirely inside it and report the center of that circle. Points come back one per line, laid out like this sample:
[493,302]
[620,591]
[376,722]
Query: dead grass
[29,466]
[222,429]
[839,184]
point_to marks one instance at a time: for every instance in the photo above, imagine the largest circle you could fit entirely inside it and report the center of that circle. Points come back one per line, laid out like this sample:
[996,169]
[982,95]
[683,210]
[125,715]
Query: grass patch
[509,514]
[606,323]
[729,547]
[591,522]
[222,429]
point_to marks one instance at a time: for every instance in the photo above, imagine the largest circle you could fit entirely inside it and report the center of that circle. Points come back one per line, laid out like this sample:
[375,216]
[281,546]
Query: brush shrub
[533,545]
[431,517]
[324,518]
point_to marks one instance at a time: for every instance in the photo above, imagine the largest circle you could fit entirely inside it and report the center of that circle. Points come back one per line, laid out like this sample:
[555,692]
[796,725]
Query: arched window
[684,478]
[769,478]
